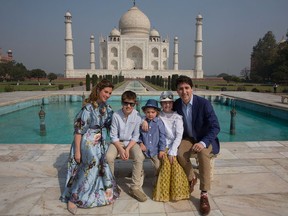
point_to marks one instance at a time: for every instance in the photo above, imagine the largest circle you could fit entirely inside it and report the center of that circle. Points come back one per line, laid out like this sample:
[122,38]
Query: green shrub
[255,90]
[60,86]
[207,87]
[81,83]
[72,85]
[241,88]
[8,88]
[223,89]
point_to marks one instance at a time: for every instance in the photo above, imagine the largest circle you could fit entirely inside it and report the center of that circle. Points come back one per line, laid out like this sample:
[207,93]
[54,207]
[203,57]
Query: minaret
[69,44]
[92,53]
[175,57]
[198,46]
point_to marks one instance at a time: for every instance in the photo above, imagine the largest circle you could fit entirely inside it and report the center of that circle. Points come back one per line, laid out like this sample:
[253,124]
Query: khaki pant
[138,159]
[156,164]
[184,154]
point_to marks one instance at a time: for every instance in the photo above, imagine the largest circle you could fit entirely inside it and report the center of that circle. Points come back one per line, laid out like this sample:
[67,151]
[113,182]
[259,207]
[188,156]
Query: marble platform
[250,178]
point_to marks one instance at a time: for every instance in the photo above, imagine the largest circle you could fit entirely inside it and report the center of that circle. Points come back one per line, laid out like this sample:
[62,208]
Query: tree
[5,70]
[38,73]
[263,57]
[94,80]
[245,73]
[88,81]
[51,77]
[18,72]
[280,69]
[173,82]
[12,71]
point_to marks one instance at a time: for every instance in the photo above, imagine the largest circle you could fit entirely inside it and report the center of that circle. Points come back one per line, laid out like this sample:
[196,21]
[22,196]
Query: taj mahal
[134,50]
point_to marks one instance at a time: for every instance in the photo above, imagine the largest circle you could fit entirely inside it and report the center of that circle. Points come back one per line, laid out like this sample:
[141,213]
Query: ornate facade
[134,50]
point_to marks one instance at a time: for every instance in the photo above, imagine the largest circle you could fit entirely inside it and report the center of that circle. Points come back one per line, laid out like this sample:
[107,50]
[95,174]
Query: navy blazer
[204,122]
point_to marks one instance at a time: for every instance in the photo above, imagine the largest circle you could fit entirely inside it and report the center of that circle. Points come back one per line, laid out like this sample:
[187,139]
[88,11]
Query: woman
[90,182]
[172,183]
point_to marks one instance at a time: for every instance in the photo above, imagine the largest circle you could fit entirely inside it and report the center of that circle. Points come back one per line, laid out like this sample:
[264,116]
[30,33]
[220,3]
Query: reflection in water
[135,86]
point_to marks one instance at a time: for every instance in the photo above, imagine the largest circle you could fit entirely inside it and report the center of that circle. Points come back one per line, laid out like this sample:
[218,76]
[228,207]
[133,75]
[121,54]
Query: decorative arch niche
[155,52]
[114,51]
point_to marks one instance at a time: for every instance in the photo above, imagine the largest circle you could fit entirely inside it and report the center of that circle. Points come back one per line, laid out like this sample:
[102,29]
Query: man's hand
[197,147]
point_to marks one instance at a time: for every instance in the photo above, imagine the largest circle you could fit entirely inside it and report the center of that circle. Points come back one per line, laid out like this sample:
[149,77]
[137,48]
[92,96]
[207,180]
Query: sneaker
[138,195]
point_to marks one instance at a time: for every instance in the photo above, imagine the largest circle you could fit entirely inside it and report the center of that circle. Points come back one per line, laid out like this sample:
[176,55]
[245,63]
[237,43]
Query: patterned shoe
[72,208]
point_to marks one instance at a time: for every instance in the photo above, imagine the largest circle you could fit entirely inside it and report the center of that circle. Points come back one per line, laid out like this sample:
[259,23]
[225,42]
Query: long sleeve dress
[91,183]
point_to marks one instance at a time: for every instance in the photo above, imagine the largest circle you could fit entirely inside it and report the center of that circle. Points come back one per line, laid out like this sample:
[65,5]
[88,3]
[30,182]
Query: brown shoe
[204,205]
[192,184]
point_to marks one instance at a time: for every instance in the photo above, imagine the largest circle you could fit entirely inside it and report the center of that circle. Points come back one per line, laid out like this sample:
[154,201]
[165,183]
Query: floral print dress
[91,183]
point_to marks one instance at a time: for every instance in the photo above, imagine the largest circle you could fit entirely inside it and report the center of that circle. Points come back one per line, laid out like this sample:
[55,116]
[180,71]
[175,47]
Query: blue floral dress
[91,183]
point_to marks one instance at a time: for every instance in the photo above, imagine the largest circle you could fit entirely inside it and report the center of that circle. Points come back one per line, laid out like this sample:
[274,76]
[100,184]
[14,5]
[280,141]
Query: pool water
[23,126]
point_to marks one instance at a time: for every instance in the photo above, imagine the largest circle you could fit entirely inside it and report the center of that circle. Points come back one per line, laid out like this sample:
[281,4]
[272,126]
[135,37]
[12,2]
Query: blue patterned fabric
[91,183]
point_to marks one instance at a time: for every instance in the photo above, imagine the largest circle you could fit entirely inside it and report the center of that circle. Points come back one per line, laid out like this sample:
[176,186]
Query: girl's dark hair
[184,79]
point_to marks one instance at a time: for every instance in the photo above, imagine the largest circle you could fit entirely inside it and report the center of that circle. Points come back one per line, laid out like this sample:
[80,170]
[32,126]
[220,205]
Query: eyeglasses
[167,96]
[124,103]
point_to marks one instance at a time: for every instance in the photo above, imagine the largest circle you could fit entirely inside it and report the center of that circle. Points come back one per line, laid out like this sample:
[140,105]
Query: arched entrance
[134,58]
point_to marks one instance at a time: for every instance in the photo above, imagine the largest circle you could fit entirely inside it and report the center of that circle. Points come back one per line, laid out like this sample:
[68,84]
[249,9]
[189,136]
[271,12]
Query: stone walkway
[250,178]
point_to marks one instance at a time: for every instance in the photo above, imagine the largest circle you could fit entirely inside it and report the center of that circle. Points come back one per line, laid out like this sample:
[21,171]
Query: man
[125,131]
[201,127]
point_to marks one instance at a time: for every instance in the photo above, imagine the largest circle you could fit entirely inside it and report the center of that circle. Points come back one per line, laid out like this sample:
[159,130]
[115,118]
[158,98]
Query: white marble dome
[134,22]
[115,32]
[68,14]
[154,33]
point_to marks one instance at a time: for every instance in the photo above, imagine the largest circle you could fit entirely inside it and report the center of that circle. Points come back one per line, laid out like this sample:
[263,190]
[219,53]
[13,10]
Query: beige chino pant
[137,168]
[184,154]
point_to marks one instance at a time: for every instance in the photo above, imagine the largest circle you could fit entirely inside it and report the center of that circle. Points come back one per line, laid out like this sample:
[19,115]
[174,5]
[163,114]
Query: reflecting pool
[23,126]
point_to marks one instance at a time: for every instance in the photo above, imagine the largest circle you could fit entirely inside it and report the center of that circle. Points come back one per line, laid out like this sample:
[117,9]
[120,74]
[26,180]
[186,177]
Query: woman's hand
[77,156]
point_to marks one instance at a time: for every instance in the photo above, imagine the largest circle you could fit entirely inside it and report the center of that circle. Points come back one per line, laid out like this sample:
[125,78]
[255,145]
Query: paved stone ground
[250,178]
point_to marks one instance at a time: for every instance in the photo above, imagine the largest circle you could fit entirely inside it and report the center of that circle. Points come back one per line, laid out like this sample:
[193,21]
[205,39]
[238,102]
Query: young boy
[124,135]
[153,141]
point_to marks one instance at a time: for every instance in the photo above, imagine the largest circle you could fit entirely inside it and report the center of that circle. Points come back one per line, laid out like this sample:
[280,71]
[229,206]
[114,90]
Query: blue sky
[34,30]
